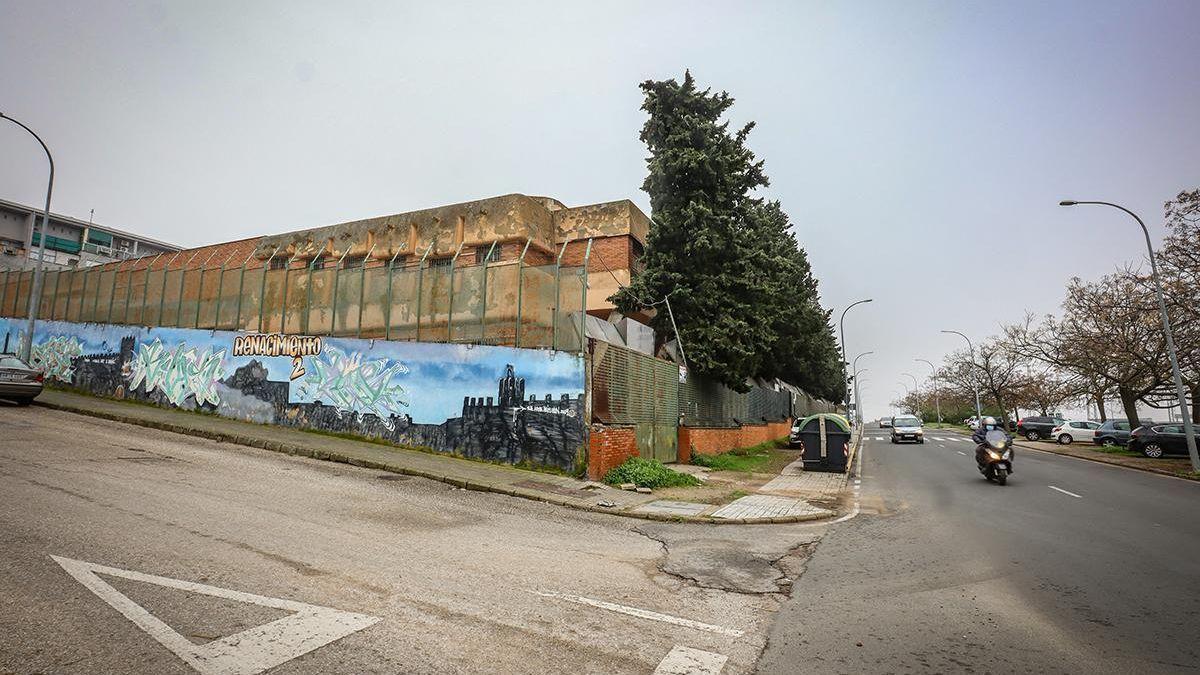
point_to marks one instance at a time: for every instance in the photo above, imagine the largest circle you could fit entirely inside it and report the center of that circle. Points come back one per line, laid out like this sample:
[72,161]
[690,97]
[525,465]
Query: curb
[303,451]
[1098,460]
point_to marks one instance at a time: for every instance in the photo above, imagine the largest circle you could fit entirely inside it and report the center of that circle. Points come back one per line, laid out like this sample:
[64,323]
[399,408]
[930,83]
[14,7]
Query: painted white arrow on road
[250,651]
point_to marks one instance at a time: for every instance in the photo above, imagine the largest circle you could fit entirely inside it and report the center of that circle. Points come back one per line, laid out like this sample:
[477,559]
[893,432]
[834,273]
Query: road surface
[1072,567]
[106,529]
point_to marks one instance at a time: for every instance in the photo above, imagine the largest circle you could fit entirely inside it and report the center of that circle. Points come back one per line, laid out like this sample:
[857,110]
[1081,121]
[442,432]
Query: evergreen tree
[743,293]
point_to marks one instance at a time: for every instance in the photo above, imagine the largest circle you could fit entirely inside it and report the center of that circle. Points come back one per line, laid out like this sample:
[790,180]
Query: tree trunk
[1196,403]
[1129,402]
[1100,407]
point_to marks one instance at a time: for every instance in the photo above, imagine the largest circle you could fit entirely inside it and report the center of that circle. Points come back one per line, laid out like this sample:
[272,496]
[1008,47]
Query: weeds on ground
[1116,450]
[748,460]
[649,473]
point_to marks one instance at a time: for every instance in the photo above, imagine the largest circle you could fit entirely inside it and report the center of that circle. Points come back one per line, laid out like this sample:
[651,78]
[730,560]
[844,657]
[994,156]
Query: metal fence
[629,387]
[501,303]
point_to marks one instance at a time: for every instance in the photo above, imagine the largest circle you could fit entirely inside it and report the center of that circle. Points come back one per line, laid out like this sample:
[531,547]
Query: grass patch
[649,473]
[761,458]
[1116,450]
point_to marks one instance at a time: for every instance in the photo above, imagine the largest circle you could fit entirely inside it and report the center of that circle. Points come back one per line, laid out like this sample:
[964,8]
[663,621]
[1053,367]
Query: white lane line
[641,613]
[961,453]
[857,484]
[1065,492]
[250,651]
[687,661]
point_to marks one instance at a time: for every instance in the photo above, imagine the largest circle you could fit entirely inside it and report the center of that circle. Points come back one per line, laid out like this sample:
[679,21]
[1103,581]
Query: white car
[907,428]
[1069,430]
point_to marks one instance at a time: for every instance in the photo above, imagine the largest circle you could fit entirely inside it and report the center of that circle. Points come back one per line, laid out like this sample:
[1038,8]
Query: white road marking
[641,613]
[250,651]
[687,661]
[857,484]
[1065,492]
[961,453]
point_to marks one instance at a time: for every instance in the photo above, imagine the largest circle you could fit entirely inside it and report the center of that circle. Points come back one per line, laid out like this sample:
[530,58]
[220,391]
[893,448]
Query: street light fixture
[857,402]
[978,409]
[1189,432]
[35,291]
[842,332]
[937,400]
[916,389]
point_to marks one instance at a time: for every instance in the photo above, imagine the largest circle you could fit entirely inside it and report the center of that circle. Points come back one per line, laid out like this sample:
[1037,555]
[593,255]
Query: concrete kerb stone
[331,456]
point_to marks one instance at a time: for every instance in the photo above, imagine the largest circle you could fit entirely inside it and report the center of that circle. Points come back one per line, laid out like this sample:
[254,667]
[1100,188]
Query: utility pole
[937,400]
[35,291]
[971,347]
[842,332]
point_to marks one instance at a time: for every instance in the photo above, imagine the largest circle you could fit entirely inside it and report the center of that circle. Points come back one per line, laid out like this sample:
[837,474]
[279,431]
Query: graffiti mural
[468,400]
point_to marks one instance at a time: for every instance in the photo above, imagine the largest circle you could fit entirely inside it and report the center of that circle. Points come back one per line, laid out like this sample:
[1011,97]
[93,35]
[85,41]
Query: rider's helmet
[989,422]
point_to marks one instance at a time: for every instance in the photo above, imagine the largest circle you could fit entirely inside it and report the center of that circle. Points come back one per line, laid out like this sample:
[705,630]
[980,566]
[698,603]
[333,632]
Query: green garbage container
[825,439]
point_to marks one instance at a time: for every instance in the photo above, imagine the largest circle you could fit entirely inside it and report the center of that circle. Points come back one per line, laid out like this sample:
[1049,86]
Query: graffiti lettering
[54,356]
[553,410]
[350,383]
[178,372]
[276,344]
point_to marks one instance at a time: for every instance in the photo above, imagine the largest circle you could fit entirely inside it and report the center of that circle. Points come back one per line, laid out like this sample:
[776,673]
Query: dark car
[1038,427]
[19,382]
[1158,440]
[1112,432]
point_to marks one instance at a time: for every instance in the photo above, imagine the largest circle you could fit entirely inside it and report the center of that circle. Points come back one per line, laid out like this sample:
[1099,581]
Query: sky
[920,148]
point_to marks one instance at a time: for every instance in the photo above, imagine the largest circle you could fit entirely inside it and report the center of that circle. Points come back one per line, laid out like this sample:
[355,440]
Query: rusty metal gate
[632,388]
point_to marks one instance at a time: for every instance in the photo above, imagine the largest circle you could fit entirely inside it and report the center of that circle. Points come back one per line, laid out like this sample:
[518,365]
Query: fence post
[162,296]
[54,303]
[421,287]
[199,287]
[337,275]
[4,292]
[283,309]
[520,292]
[587,255]
[220,290]
[450,302]
[262,291]
[362,289]
[96,300]
[483,293]
[146,289]
[182,279]
[387,310]
[557,293]
[128,296]
[308,299]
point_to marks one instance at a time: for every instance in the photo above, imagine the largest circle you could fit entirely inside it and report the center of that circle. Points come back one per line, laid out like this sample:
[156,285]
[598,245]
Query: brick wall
[609,446]
[715,440]
[616,252]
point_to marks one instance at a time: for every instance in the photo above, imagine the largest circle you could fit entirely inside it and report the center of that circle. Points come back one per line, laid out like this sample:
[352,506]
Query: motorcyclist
[981,444]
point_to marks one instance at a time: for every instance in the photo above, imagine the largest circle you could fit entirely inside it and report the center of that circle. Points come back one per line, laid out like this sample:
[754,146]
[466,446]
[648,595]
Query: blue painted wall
[494,403]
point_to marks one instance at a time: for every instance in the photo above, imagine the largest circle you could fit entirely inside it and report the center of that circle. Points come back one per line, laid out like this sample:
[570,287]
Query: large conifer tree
[742,291]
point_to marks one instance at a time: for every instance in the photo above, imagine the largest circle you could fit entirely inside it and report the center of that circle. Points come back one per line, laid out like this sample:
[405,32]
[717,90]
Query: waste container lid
[836,419]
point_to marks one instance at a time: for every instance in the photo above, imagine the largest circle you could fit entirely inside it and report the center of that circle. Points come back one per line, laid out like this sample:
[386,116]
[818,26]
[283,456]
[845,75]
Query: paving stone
[673,508]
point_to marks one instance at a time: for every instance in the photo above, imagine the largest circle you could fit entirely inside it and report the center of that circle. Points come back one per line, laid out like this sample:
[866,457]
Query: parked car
[1158,440]
[907,428]
[18,381]
[1038,426]
[1068,431]
[1112,432]
[885,422]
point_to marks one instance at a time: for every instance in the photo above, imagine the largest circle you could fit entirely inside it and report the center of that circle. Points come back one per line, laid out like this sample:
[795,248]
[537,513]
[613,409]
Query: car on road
[885,422]
[907,428]
[1038,427]
[1158,440]
[19,381]
[1070,430]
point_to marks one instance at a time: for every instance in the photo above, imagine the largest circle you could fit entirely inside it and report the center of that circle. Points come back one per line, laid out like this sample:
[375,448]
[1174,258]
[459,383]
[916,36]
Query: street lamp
[937,400]
[35,291]
[857,403]
[842,332]
[978,410]
[1188,431]
[917,389]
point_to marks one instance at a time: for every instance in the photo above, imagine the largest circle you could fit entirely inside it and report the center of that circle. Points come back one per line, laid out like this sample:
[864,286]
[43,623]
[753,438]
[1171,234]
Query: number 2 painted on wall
[297,367]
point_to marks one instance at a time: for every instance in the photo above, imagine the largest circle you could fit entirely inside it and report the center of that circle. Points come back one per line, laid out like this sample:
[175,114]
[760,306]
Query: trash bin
[825,439]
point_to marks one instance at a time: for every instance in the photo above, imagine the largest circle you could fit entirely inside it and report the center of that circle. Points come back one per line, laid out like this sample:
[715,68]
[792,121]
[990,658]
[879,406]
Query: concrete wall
[514,406]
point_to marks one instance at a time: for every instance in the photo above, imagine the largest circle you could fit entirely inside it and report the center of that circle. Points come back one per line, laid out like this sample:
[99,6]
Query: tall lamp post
[1189,432]
[857,401]
[978,410]
[937,399]
[35,291]
[916,390]
[907,391]
[842,333]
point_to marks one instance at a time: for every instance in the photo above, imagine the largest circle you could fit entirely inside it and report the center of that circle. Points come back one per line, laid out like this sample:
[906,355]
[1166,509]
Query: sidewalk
[467,474]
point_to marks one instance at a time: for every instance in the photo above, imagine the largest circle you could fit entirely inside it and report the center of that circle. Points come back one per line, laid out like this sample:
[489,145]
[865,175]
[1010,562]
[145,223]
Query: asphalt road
[1072,567]
[408,575]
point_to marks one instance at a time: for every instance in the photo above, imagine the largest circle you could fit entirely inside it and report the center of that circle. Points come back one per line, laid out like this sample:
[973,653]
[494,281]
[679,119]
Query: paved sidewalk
[467,474]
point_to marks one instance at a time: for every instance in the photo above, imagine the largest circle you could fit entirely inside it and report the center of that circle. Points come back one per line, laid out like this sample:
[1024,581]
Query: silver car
[907,428]
[18,381]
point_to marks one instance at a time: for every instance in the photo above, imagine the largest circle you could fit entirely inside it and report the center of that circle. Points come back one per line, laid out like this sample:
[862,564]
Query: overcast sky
[919,147]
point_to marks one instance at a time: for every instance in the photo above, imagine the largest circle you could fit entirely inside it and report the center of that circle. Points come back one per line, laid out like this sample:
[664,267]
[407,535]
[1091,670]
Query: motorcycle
[995,460]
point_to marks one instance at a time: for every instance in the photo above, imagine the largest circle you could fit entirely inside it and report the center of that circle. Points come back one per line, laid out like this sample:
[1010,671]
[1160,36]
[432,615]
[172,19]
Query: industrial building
[70,242]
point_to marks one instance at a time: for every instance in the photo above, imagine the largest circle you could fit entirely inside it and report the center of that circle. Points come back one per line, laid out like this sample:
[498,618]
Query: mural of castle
[407,393]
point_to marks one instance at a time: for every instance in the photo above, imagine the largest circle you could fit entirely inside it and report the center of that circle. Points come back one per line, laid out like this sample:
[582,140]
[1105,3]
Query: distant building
[70,242]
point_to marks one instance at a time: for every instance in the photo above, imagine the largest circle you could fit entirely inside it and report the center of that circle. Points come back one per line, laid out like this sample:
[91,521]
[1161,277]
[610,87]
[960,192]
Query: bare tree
[996,370]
